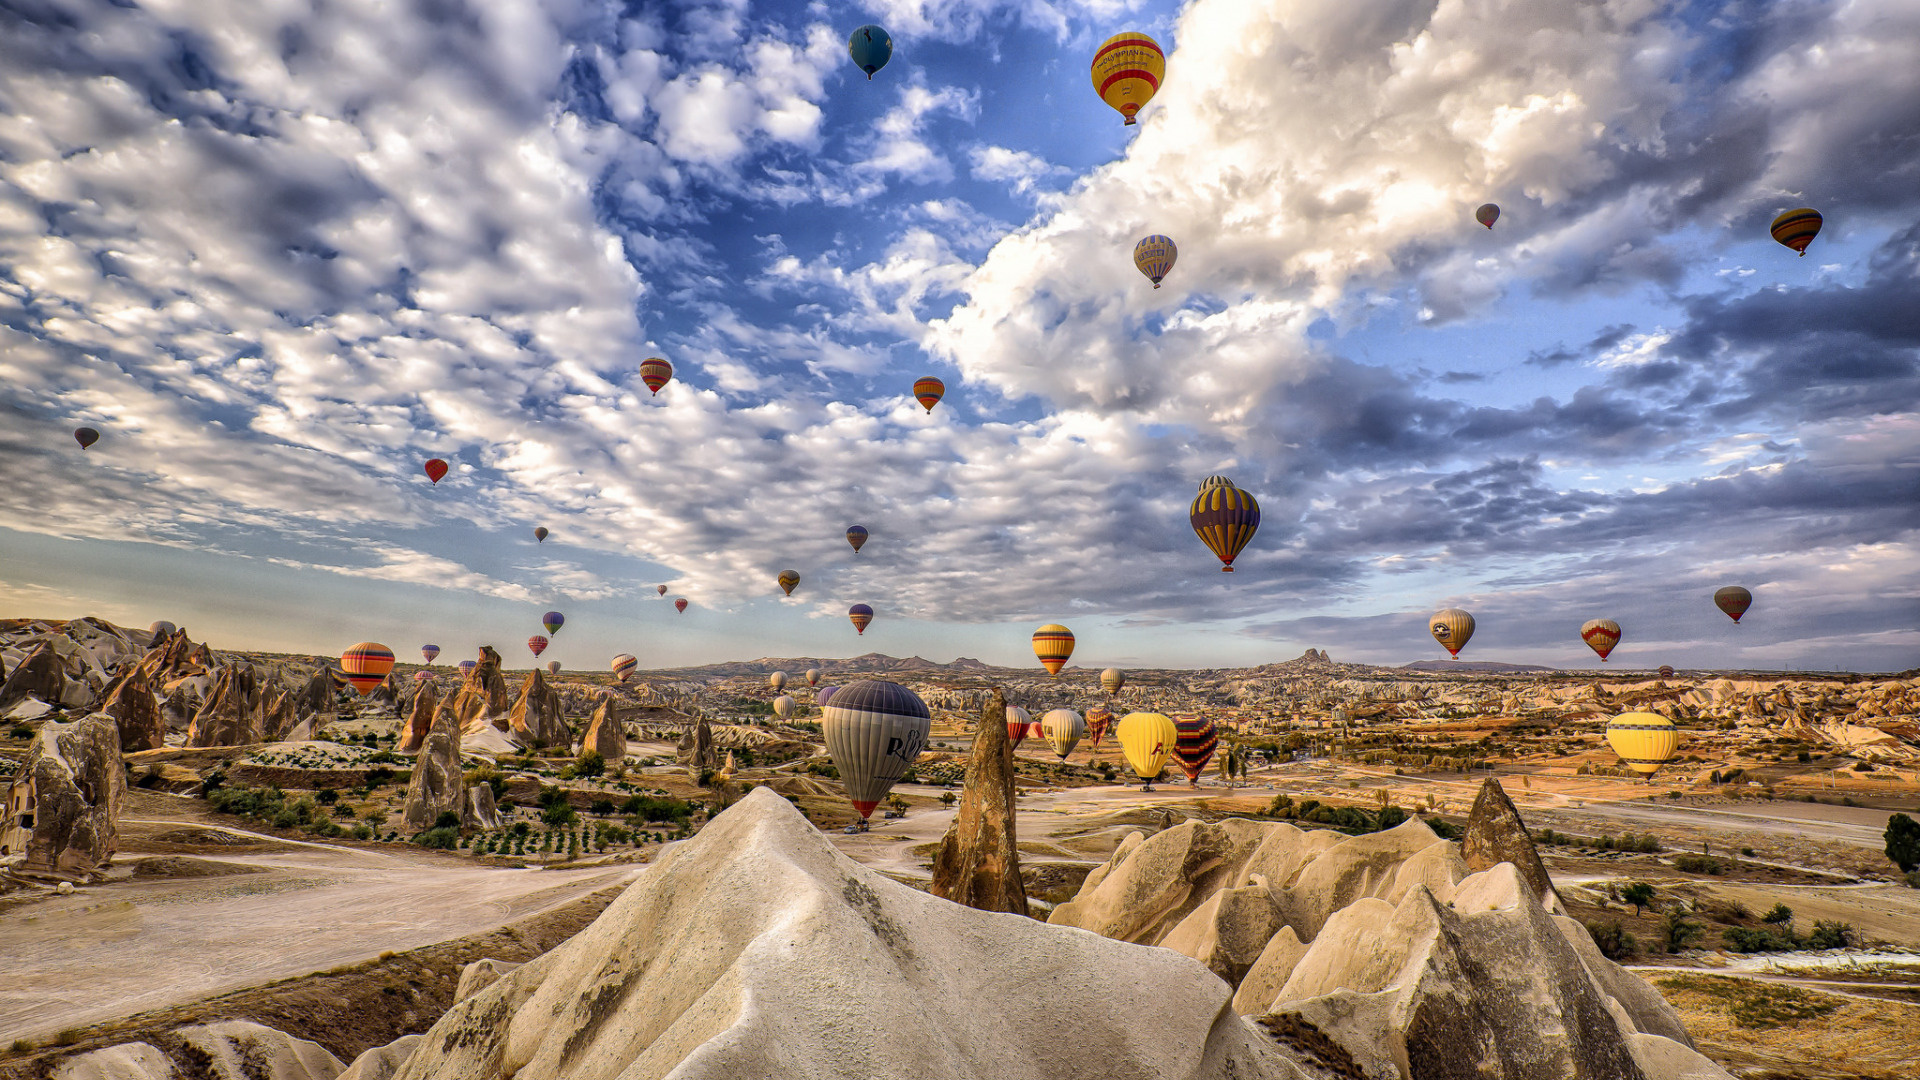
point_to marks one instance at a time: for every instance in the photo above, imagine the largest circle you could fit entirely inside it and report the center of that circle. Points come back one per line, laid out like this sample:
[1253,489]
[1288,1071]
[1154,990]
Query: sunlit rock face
[79,787]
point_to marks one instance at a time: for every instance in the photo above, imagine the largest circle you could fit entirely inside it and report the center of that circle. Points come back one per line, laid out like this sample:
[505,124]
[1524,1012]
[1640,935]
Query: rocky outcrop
[756,949]
[438,786]
[482,697]
[413,735]
[1495,834]
[228,718]
[604,734]
[41,676]
[479,811]
[479,975]
[696,750]
[978,863]
[539,716]
[79,786]
[136,712]
[381,1062]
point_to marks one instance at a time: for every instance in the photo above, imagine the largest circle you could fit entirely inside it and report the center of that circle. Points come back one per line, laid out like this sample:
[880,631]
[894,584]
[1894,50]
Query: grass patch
[1756,1005]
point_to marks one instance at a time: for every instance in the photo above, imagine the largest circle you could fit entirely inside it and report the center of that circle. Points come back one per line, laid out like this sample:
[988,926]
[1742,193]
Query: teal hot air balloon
[870,48]
[553,621]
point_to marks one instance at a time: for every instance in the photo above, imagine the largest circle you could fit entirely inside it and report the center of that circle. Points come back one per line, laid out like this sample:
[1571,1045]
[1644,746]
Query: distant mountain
[796,666]
[1493,667]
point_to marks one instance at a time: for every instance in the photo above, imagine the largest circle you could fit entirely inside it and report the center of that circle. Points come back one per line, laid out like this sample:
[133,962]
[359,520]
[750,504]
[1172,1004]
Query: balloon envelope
[436,469]
[783,707]
[1452,628]
[680,604]
[1019,722]
[1797,228]
[928,391]
[874,732]
[1146,738]
[1053,644]
[1098,719]
[540,534]
[1112,679]
[1127,69]
[431,652]
[553,621]
[1487,214]
[656,373]
[1063,729]
[1155,256]
[553,667]
[871,48]
[1224,518]
[777,680]
[1601,635]
[469,665]
[366,666]
[820,698]
[1733,600]
[1666,671]
[537,644]
[662,589]
[1644,741]
[813,676]
[1194,742]
[860,615]
[624,665]
[857,536]
[85,436]
[789,580]
[162,629]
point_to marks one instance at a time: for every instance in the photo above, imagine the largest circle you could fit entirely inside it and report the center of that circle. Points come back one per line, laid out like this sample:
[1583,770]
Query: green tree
[1903,842]
[1778,914]
[1677,931]
[590,764]
[1640,895]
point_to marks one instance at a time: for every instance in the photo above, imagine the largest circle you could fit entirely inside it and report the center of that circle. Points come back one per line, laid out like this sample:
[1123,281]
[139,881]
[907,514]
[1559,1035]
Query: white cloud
[1019,169]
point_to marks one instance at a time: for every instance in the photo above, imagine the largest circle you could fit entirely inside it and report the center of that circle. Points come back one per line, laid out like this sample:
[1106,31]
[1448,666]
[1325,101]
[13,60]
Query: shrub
[1697,864]
[559,814]
[590,764]
[1443,828]
[1742,939]
[1903,842]
[342,810]
[378,775]
[1677,931]
[1389,816]
[363,832]
[443,839]
[1611,939]
[375,817]
[447,820]
[1778,915]
[1861,766]
[947,798]
[1830,935]
[1639,894]
[326,796]
[649,808]
[601,807]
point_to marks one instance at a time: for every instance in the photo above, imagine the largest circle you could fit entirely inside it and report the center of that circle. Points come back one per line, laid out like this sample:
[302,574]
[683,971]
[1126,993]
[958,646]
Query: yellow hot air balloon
[1112,679]
[1127,70]
[1452,628]
[1053,644]
[1147,738]
[1645,741]
[789,580]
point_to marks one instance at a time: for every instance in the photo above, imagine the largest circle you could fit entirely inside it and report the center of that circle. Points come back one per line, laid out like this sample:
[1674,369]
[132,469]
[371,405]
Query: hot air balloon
[553,621]
[537,644]
[1146,738]
[1645,741]
[789,580]
[436,469]
[161,631]
[778,681]
[1155,257]
[783,707]
[469,665]
[874,731]
[85,436]
[1601,635]
[540,534]
[1053,644]
[1098,718]
[1487,214]
[366,666]
[624,665]
[1063,728]
[1193,745]
[813,676]
[824,693]
[662,589]
[431,652]
[929,390]
[1019,722]
[1127,69]
[553,667]
[1224,517]
[860,615]
[870,48]
[680,604]
[857,536]
[1666,671]
[1112,679]
[1733,600]
[422,676]
[656,373]
[1797,228]
[1452,628]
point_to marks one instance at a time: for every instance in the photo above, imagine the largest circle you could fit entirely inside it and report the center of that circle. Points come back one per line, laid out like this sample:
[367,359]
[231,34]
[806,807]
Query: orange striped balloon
[366,666]
[1053,644]
[1601,635]
[656,373]
[1127,69]
[1797,228]
[1224,518]
[929,391]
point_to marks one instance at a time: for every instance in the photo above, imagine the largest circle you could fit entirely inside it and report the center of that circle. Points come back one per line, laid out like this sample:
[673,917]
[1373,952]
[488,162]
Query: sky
[280,252]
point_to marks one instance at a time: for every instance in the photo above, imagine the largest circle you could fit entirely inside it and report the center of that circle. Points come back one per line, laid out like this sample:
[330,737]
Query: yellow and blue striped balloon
[1155,256]
[1797,228]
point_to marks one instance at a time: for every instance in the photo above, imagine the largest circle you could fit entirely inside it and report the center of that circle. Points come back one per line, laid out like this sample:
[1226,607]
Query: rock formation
[979,859]
[1495,834]
[136,712]
[479,975]
[228,1050]
[479,811]
[604,734]
[438,786]
[228,718]
[482,697]
[756,949]
[79,786]
[539,717]
[41,676]
[413,735]
[381,1062]
[697,748]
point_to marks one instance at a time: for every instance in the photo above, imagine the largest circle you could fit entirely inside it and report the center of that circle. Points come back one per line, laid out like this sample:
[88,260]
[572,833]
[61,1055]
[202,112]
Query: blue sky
[280,255]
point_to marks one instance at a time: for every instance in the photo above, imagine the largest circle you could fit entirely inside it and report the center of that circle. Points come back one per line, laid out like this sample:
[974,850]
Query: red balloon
[436,469]
[680,604]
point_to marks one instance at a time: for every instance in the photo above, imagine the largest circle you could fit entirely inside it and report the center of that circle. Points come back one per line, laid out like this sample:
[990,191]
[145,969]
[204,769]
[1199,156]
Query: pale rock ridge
[135,711]
[482,697]
[604,734]
[1496,834]
[243,1050]
[228,716]
[413,735]
[381,1062]
[79,787]
[479,975]
[756,949]
[539,716]
[127,1061]
[438,786]
[978,863]
[479,811]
